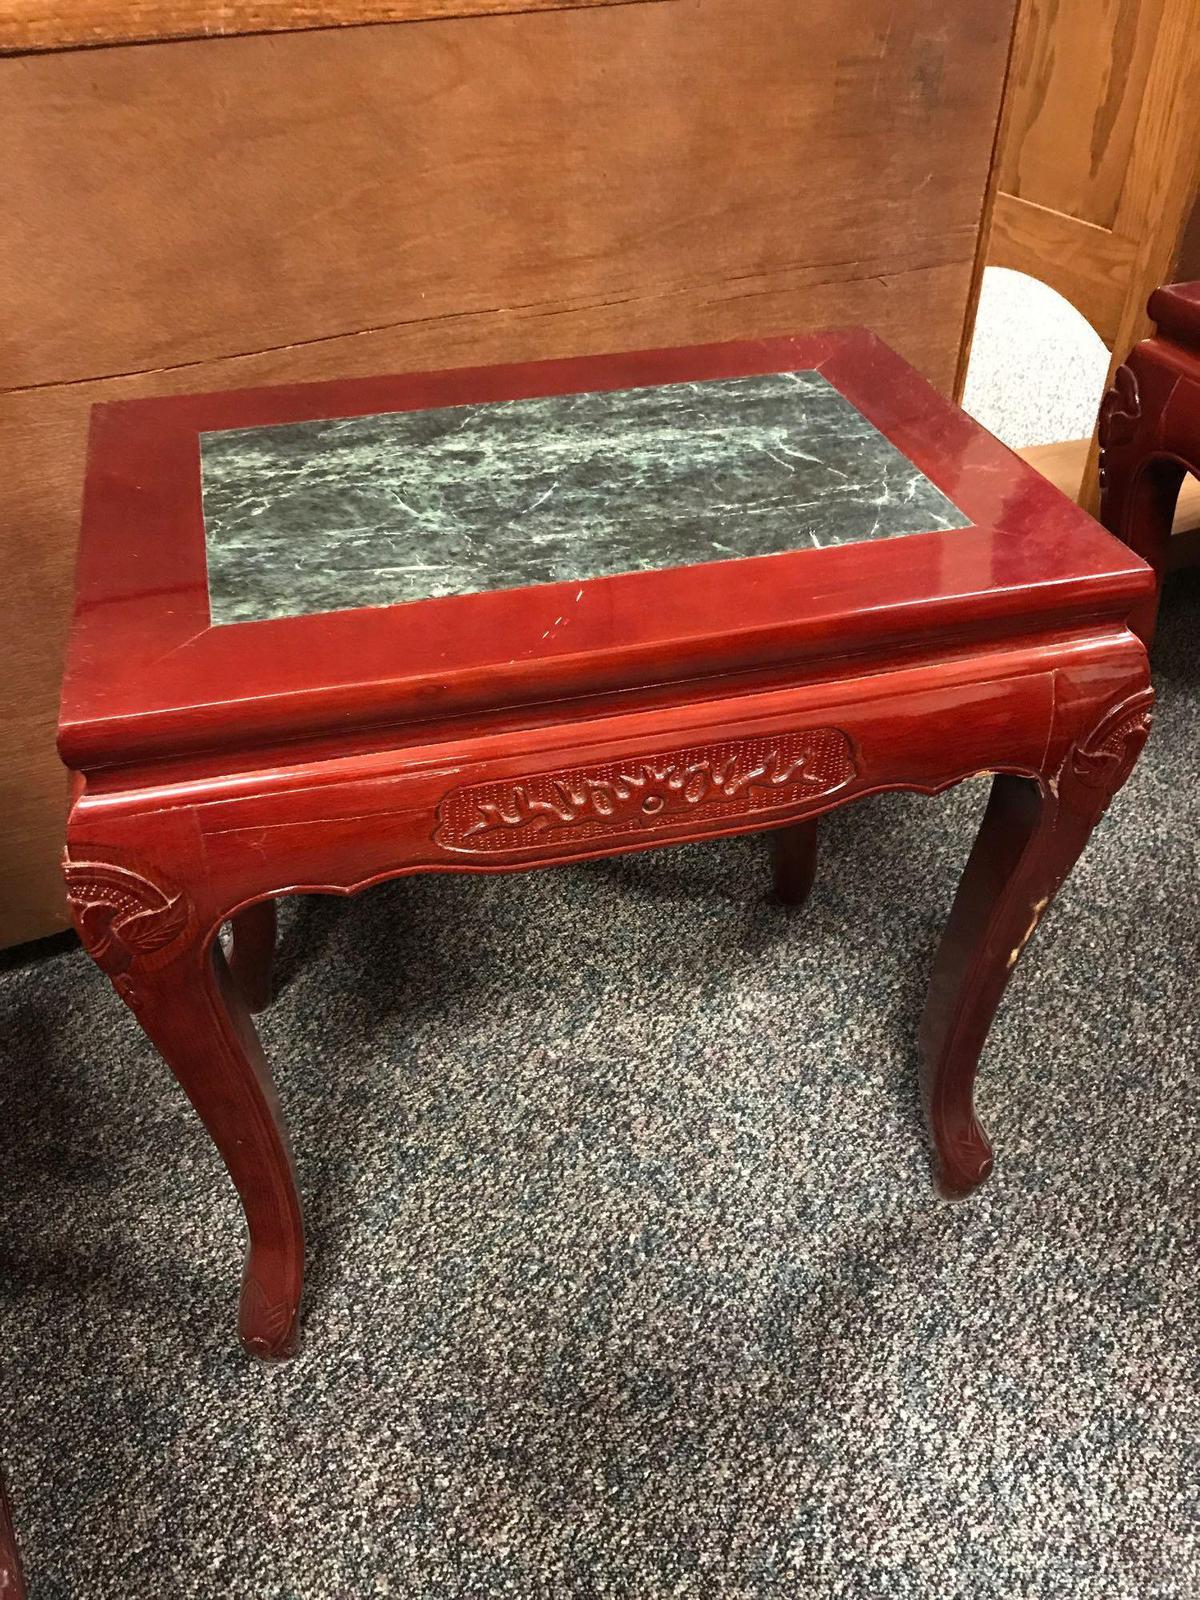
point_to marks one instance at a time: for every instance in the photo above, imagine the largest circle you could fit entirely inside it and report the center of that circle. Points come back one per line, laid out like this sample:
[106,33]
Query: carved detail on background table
[1104,758]
[1120,413]
[122,917]
[737,777]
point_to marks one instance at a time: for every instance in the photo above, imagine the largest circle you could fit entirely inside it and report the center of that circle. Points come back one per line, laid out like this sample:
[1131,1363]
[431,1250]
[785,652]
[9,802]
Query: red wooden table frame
[221,767]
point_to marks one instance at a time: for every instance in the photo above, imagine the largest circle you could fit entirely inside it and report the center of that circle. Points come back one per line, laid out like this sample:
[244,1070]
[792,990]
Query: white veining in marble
[403,506]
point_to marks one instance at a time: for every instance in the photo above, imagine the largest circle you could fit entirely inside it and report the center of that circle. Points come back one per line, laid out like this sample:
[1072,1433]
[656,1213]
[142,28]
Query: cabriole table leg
[165,961]
[1032,833]
[198,1019]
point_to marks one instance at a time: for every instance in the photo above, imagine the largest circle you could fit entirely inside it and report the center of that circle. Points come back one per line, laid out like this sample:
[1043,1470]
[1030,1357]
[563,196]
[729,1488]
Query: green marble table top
[403,506]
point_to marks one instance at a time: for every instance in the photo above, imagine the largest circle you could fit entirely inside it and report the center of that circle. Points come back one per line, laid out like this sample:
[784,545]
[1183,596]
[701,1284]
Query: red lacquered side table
[1150,434]
[503,618]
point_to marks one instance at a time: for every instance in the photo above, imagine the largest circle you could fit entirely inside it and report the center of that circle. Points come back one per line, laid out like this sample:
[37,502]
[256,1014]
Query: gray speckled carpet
[627,1275]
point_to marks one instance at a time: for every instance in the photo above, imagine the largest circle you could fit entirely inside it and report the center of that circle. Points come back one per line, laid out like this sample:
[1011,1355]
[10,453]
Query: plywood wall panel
[175,203]
[28,25]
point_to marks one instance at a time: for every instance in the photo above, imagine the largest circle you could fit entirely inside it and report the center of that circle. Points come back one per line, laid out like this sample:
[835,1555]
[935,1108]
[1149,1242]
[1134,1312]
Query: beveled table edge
[205,676]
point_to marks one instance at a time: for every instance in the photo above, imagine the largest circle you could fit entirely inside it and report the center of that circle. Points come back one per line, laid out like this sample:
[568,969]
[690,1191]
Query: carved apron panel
[733,781]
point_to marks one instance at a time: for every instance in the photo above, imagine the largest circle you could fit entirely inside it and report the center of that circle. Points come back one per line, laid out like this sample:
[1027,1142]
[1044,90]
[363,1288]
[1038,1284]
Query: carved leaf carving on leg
[123,917]
[1104,758]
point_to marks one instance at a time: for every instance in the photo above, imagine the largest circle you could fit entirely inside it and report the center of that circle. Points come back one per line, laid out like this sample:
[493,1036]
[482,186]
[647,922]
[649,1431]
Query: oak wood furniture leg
[1032,833]
[794,861]
[252,953]
[1149,433]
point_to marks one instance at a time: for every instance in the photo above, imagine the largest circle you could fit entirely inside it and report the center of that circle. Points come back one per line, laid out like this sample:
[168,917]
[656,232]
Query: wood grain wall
[1100,160]
[27,25]
[1079,82]
[1101,155]
[202,215]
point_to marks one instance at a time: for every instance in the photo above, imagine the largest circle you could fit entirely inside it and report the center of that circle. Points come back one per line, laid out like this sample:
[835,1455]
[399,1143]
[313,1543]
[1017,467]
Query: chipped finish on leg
[794,861]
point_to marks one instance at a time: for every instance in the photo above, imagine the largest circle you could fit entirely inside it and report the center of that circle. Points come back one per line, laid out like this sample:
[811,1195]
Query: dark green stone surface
[403,506]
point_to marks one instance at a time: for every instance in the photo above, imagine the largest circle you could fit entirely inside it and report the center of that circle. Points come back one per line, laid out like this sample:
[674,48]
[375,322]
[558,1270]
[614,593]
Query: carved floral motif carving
[122,917]
[732,779]
[1104,758]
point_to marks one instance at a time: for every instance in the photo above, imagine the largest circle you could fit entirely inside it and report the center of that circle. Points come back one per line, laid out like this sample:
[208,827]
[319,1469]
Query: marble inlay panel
[375,511]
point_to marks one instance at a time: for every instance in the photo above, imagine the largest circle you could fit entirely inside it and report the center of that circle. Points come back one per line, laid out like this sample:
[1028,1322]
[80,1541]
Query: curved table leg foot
[1018,861]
